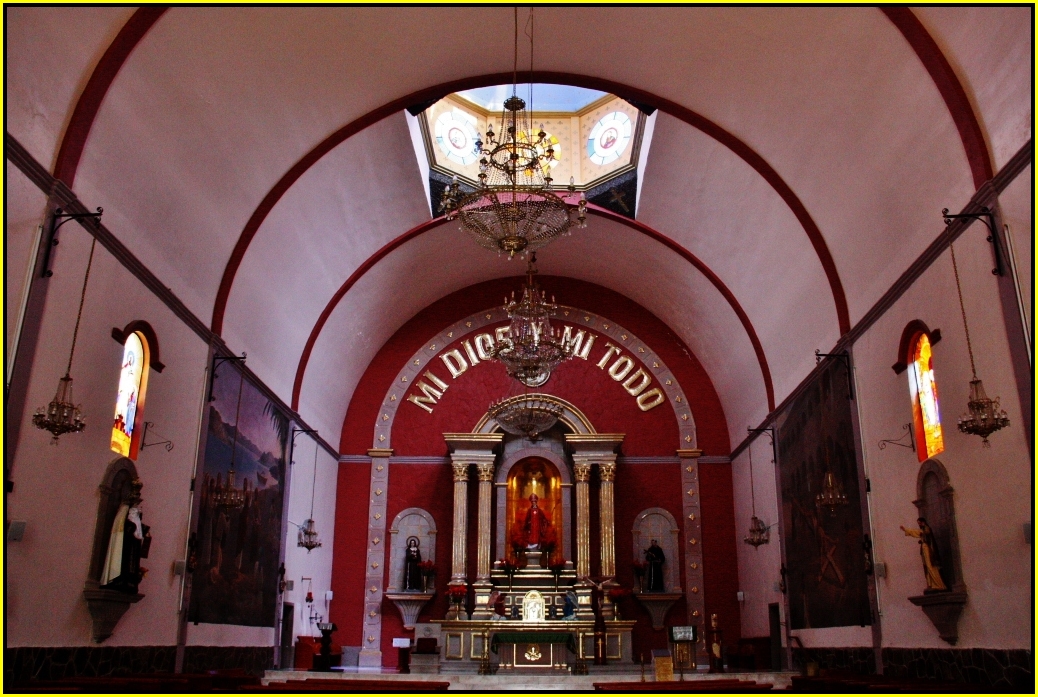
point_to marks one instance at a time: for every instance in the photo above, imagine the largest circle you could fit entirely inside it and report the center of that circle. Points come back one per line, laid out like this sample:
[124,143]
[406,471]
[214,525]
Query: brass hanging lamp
[308,537]
[985,415]
[760,533]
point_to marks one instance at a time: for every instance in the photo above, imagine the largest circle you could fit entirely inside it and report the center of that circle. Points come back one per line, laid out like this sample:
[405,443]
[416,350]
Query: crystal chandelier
[532,348]
[832,497]
[526,415]
[985,415]
[308,531]
[759,532]
[514,209]
[63,415]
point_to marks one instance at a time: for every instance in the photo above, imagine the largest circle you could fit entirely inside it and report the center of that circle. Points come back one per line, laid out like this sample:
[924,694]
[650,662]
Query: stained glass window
[456,135]
[609,138]
[925,411]
[129,402]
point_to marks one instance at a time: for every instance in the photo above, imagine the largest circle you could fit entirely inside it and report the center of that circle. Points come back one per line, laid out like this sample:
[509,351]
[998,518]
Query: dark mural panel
[825,557]
[238,541]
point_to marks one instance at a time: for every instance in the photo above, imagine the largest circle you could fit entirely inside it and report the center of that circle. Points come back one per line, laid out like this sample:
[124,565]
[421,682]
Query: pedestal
[409,605]
[657,604]
[106,609]
[943,608]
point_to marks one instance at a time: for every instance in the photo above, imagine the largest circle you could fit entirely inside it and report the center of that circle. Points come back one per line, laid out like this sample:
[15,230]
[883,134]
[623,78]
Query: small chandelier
[63,415]
[760,533]
[227,496]
[832,497]
[985,415]
[513,209]
[526,415]
[308,531]
[532,348]
[308,535]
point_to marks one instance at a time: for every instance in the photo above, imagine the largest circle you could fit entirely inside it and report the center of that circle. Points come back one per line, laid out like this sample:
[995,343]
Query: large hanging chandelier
[63,415]
[514,209]
[985,415]
[832,497]
[532,347]
[526,415]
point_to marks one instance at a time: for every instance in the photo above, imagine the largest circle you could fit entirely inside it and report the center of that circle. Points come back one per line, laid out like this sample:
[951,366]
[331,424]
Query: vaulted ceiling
[259,162]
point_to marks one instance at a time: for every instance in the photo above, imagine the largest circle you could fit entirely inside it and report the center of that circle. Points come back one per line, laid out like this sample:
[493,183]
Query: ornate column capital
[607,471]
[485,471]
[461,471]
[582,471]
[685,454]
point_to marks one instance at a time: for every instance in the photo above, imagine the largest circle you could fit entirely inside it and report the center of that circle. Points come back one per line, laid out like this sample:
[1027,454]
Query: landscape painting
[237,546]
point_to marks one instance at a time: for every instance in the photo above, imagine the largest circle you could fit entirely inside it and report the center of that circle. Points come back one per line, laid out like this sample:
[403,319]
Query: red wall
[606,404]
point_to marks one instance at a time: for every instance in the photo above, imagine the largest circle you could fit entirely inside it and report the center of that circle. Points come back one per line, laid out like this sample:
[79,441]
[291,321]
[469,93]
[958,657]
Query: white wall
[56,487]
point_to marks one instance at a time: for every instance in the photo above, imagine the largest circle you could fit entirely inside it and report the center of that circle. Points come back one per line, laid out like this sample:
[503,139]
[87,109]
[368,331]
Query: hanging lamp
[985,415]
[308,537]
[759,532]
[63,415]
[514,210]
[228,496]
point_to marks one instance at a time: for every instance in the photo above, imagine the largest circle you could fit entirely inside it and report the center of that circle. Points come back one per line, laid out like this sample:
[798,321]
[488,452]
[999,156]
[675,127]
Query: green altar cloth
[534,638]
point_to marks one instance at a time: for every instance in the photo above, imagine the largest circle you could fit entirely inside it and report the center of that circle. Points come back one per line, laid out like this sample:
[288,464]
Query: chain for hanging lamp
[308,537]
[984,415]
[760,533]
[514,209]
[63,415]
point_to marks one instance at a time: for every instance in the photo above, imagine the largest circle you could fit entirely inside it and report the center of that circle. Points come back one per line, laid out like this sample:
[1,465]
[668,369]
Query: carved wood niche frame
[935,502]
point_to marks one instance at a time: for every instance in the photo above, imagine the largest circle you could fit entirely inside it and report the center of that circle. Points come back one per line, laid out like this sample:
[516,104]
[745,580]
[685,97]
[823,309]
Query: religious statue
[654,559]
[928,552]
[412,565]
[128,543]
[496,602]
[536,526]
[569,607]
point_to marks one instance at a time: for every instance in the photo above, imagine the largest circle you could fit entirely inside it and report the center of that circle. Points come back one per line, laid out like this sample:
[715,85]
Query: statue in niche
[654,559]
[128,543]
[928,552]
[537,525]
[412,565]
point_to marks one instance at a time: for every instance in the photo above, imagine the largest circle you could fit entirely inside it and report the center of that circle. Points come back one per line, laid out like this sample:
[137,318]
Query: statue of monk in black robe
[655,559]
[412,570]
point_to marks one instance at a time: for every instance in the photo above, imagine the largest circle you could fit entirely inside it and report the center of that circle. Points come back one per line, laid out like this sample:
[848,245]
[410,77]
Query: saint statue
[412,570]
[928,551]
[536,526]
[654,558]
[128,543]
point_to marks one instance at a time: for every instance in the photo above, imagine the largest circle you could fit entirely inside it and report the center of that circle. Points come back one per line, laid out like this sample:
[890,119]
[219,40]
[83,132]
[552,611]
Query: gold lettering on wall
[473,359]
[638,381]
[652,398]
[581,348]
[484,344]
[610,350]
[455,362]
[432,394]
[621,367]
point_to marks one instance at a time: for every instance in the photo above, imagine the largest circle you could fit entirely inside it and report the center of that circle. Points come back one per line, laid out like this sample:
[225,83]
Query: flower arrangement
[517,538]
[427,567]
[557,564]
[639,568]
[457,592]
[618,593]
[509,566]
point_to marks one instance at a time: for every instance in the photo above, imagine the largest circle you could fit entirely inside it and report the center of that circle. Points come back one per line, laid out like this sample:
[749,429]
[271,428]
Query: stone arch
[658,524]
[410,522]
[114,489]
[936,503]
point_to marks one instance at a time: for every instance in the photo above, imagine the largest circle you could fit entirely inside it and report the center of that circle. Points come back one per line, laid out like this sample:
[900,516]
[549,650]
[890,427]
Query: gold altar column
[606,472]
[582,473]
[485,472]
[461,519]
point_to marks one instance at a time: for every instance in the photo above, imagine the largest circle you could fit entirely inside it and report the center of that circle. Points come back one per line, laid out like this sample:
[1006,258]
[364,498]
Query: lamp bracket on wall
[846,358]
[296,432]
[217,360]
[770,433]
[144,438]
[908,432]
[52,240]
[988,216]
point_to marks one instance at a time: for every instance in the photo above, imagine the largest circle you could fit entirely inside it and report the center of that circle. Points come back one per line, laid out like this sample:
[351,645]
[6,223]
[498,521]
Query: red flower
[457,592]
[428,567]
[618,593]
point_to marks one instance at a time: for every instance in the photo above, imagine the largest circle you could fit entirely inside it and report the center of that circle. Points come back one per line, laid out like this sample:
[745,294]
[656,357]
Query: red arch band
[415,232]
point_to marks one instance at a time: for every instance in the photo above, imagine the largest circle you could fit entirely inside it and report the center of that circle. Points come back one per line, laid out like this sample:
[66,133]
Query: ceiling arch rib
[401,285]
[708,274]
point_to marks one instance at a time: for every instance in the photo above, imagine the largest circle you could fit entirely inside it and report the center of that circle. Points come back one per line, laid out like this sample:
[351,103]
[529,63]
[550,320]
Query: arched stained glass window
[129,402]
[925,410]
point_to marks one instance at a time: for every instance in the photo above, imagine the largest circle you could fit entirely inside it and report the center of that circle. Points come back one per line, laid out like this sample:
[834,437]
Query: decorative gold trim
[380,452]
[474,436]
[689,452]
[554,400]
[595,437]
[461,645]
